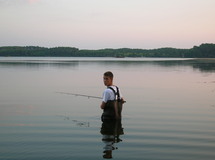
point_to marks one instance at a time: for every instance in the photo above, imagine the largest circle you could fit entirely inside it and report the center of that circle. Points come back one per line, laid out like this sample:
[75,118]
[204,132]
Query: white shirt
[108,94]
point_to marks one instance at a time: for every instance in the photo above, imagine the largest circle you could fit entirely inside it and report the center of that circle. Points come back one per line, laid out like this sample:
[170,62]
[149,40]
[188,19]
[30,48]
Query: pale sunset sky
[97,24]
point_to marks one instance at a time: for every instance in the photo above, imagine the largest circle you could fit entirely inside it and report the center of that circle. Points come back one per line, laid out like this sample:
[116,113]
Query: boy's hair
[108,74]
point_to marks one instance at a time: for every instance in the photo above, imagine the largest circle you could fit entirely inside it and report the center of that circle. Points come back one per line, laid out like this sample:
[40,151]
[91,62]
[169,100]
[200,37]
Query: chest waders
[109,110]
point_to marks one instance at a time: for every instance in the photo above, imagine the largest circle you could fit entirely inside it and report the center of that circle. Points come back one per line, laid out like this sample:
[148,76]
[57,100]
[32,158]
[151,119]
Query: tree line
[203,51]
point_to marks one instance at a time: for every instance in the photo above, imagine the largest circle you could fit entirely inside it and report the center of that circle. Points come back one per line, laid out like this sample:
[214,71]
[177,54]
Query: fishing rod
[81,95]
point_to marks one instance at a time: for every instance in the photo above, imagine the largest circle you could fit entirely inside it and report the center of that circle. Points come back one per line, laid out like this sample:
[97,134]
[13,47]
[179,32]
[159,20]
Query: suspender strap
[118,96]
[116,93]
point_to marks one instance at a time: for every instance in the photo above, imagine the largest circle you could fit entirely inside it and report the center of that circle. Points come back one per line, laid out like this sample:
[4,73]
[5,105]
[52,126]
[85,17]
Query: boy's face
[107,81]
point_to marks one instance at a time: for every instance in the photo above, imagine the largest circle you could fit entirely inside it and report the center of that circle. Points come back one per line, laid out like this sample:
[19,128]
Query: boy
[112,99]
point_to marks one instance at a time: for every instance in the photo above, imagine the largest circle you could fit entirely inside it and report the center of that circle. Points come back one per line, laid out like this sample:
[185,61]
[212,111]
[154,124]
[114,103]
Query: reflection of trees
[204,65]
[38,64]
[111,131]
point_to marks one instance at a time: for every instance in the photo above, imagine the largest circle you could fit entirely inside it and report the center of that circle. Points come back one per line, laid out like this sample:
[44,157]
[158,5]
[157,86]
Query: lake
[169,113]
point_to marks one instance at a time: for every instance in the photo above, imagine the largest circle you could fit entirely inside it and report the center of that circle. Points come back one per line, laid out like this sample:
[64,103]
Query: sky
[97,24]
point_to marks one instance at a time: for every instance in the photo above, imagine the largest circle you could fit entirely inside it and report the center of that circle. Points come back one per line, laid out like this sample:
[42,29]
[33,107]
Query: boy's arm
[102,106]
[122,100]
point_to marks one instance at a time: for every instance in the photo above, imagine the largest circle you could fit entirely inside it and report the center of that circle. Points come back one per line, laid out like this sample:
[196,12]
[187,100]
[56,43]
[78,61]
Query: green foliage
[63,51]
[202,51]
[38,51]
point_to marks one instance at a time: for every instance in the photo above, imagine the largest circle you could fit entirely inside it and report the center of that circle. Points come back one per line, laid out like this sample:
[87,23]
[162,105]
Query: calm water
[169,114]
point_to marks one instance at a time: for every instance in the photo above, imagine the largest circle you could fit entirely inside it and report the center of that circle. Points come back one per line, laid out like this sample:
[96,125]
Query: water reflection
[38,64]
[111,131]
[203,65]
[76,122]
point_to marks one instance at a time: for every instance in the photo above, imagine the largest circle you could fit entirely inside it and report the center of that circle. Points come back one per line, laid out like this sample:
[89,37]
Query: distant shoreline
[206,50]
